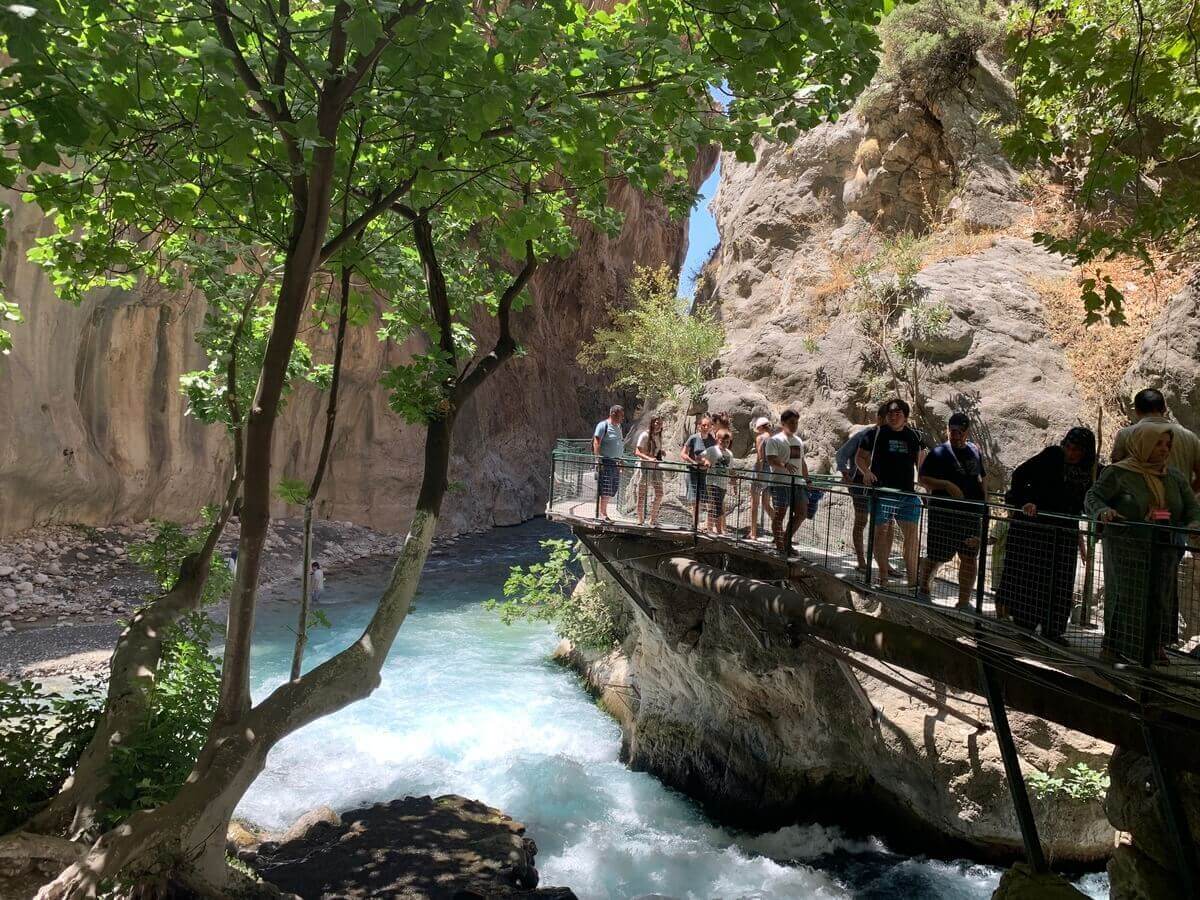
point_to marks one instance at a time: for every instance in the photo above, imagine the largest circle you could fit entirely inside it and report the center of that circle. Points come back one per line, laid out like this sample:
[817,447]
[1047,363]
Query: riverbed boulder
[417,847]
[1022,883]
[1144,866]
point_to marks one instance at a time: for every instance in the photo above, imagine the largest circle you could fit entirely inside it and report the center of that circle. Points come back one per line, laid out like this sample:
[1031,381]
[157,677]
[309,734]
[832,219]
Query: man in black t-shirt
[888,460]
[954,472]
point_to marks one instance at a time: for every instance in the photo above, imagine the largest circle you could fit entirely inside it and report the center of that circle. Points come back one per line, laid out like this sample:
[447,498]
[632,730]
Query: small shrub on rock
[551,591]
[929,46]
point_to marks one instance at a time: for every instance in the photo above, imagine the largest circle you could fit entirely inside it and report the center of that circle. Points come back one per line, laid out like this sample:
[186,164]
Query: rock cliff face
[95,429]
[767,734]
[890,252]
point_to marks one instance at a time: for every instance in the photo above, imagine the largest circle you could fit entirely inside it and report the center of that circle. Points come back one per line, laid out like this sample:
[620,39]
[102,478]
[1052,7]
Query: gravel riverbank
[64,590]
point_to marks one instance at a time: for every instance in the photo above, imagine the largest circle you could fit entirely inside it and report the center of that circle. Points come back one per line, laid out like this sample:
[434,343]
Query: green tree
[1110,100]
[551,591]
[441,151]
[655,346]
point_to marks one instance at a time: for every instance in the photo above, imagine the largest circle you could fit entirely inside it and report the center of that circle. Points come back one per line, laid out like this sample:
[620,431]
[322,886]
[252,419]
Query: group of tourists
[1152,480]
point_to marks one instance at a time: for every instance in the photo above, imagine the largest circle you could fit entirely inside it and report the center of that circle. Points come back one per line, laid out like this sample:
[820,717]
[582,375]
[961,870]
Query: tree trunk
[188,833]
[319,475]
[132,672]
[312,223]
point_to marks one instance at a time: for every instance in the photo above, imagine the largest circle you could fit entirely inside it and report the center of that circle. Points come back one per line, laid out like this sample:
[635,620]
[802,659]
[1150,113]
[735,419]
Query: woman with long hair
[649,452]
[1037,584]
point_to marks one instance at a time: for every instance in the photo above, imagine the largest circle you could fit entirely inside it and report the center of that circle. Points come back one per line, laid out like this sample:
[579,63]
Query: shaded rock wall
[767,734]
[95,429]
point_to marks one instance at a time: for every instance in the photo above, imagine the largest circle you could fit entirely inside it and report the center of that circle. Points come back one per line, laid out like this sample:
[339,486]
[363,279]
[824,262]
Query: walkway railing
[1125,592]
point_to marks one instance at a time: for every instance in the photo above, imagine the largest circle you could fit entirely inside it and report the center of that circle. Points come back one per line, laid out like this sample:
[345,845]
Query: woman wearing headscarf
[1037,583]
[1131,498]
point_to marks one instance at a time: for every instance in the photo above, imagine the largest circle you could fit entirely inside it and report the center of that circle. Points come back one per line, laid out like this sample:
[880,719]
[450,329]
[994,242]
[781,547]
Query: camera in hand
[659,454]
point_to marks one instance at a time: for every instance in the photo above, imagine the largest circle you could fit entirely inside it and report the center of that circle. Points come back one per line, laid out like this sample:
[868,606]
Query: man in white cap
[761,479]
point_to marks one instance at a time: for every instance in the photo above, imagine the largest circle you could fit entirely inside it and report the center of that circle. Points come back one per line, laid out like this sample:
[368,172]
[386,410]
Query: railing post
[985,525]
[694,479]
[553,482]
[1089,576]
[870,531]
[599,476]
[1151,610]
[791,516]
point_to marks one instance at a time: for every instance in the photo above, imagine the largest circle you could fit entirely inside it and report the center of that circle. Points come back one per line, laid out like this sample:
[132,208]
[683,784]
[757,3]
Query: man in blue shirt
[608,445]
[953,474]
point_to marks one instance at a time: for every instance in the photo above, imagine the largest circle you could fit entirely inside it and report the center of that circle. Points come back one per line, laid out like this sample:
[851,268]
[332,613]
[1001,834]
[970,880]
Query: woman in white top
[762,477]
[649,452]
[719,457]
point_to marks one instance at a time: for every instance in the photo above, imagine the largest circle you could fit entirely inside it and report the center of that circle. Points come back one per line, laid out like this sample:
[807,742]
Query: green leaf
[364,29]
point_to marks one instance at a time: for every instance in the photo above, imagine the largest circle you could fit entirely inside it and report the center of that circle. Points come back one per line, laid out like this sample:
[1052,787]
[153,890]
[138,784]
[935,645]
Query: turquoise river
[469,706]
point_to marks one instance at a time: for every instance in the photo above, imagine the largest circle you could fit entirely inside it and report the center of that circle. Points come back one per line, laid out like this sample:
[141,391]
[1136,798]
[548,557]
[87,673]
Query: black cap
[959,420]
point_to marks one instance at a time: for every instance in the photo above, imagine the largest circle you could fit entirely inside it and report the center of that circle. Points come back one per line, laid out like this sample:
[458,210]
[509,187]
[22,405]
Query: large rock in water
[767,734]
[419,847]
[1144,870]
[94,425]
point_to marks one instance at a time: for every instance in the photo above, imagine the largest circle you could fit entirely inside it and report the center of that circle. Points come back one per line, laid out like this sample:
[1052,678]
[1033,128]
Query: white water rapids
[469,706]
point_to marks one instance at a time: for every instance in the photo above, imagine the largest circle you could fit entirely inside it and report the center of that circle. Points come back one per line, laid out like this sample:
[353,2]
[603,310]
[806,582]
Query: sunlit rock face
[767,732]
[95,429]
[811,227]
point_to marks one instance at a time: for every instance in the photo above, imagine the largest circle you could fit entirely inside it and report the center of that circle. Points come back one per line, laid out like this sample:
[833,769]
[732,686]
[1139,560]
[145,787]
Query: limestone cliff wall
[94,427]
[726,709]
[915,189]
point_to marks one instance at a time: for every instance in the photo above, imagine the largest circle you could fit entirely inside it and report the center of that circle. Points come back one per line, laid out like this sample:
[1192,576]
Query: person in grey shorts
[608,444]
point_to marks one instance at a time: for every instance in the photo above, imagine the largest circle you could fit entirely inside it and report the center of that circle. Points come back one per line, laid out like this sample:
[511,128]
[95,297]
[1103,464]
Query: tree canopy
[1110,99]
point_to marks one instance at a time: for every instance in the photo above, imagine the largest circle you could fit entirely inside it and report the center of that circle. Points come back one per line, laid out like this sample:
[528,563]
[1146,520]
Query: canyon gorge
[891,250]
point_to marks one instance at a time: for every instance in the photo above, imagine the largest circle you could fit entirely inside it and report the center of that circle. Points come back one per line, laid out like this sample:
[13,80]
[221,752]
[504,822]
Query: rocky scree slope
[96,432]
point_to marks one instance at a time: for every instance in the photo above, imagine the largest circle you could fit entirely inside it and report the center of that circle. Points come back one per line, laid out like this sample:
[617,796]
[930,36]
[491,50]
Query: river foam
[472,707]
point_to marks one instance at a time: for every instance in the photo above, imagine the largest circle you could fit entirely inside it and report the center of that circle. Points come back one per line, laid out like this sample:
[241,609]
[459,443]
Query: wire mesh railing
[1123,592]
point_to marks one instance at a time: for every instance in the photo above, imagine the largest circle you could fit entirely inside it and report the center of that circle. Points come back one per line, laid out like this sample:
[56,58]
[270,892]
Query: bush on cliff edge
[929,46]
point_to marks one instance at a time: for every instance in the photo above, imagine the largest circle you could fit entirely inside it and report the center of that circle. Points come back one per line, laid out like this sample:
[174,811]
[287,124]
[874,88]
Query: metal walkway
[1027,630]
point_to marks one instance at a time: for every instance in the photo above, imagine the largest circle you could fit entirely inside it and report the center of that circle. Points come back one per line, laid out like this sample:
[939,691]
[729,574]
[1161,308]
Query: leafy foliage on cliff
[655,346]
[929,46]
[1110,101]
[583,612]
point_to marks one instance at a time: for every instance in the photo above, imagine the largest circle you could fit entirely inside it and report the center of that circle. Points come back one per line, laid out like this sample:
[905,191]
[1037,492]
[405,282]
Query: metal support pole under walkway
[994,691]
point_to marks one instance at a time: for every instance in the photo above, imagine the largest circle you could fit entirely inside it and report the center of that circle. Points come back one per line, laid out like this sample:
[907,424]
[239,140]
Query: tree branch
[506,345]
[276,115]
[435,279]
[368,215]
